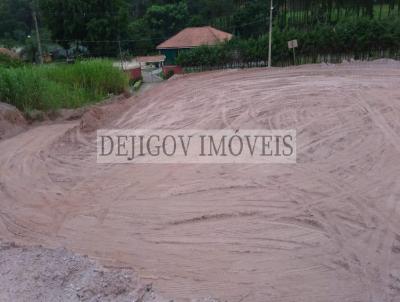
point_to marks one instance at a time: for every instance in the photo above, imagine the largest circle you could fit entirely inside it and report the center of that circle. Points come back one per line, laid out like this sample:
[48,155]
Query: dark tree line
[103,27]
[306,12]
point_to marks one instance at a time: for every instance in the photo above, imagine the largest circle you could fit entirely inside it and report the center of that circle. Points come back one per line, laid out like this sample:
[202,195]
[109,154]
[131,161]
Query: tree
[96,24]
[166,20]
[15,21]
[251,20]
[140,42]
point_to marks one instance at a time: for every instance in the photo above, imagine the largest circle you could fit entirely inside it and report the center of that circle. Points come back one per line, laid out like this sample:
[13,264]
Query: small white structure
[156,60]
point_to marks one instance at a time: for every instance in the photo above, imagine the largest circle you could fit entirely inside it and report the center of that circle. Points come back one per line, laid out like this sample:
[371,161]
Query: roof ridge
[211,29]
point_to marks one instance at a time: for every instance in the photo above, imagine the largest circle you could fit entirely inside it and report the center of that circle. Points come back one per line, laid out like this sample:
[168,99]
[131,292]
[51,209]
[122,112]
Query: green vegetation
[359,38]
[326,30]
[94,28]
[51,87]
[137,85]
[132,82]
[8,62]
[307,12]
[75,21]
[167,76]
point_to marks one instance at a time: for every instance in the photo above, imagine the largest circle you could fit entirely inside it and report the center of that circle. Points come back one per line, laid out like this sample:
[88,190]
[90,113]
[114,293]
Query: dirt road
[325,229]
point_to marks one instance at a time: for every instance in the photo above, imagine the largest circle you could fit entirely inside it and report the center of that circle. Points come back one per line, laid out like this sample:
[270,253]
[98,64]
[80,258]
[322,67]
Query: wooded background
[104,27]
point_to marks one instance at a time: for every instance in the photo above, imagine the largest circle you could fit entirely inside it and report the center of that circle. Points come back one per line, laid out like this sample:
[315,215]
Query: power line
[262,19]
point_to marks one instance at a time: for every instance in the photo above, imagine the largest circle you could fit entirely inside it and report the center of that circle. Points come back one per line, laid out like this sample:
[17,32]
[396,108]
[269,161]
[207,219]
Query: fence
[304,59]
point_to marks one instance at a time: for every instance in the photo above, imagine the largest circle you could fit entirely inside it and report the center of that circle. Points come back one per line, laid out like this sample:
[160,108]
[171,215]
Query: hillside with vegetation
[135,27]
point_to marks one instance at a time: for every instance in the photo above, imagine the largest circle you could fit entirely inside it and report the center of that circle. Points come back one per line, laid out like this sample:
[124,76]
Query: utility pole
[270,35]
[37,33]
[120,55]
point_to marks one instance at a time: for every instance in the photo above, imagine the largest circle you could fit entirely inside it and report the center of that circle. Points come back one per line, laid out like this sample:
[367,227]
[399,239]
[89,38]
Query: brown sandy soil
[325,229]
[39,274]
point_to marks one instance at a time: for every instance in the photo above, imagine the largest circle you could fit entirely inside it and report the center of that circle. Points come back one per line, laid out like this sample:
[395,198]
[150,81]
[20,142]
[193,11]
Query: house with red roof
[189,38]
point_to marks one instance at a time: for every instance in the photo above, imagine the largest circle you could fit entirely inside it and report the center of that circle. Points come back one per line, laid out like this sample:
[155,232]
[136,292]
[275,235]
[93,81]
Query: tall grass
[51,87]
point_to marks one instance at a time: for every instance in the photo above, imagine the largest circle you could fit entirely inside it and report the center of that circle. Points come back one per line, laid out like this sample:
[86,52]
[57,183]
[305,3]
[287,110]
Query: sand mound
[91,119]
[100,115]
[12,121]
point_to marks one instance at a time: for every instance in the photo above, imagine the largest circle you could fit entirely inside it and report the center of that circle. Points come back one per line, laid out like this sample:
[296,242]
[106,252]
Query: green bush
[60,86]
[355,37]
[137,85]
[132,82]
[170,74]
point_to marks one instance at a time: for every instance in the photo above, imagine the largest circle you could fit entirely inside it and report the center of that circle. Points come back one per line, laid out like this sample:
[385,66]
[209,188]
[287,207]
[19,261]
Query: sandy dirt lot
[325,229]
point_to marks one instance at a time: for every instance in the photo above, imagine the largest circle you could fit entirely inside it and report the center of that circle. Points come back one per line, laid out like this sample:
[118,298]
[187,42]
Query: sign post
[293,44]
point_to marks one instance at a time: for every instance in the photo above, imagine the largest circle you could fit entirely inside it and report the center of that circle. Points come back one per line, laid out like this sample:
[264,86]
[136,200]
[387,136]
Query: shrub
[132,82]
[349,36]
[137,85]
[170,74]
[7,61]
[166,76]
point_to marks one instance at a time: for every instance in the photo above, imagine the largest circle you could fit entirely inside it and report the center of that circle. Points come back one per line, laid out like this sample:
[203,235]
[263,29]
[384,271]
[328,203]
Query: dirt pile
[12,121]
[39,274]
[100,115]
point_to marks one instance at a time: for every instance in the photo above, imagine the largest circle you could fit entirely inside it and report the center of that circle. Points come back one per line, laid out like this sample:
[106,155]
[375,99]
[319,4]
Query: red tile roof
[195,36]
